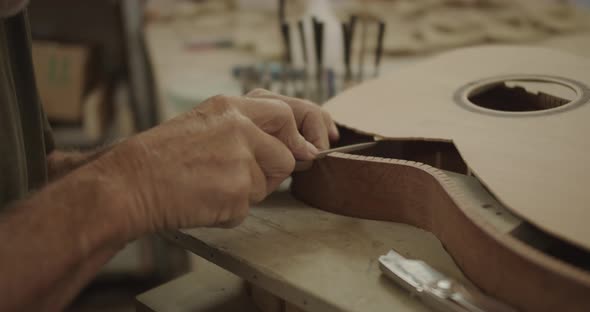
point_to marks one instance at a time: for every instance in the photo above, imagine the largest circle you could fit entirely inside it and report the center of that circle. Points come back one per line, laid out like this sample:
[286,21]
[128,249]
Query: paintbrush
[379,49]
[318,36]
[346,41]
[362,49]
[287,57]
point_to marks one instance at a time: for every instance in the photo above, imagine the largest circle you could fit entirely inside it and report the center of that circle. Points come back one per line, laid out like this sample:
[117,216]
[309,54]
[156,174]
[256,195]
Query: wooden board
[320,261]
[533,162]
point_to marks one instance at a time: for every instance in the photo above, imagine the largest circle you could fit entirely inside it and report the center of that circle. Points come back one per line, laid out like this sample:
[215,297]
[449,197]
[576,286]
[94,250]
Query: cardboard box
[62,73]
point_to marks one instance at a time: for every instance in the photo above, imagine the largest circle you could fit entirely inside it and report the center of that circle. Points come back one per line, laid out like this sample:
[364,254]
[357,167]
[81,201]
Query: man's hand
[313,122]
[205,167]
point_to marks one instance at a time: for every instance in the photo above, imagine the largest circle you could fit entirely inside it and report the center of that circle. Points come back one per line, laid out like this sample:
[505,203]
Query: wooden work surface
[317,260]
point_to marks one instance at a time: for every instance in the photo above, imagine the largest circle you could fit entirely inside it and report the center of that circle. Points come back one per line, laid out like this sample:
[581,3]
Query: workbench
[316,260]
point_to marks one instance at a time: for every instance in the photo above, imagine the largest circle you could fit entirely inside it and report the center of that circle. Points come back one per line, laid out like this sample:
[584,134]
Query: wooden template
[429,26]
[557,17]
[444,29]
[515,118]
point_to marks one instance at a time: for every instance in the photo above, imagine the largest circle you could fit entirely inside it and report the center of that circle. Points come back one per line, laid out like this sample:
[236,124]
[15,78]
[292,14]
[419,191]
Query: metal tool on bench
[302,165]
[434,288]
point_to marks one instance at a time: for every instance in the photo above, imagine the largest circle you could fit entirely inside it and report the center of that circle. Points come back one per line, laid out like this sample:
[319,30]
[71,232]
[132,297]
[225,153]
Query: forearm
[56,240]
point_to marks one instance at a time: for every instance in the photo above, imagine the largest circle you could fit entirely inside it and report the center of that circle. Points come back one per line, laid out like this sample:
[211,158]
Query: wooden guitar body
[515,121]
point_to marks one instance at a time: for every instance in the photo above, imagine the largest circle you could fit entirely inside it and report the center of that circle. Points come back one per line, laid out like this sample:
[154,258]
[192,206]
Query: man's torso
[24,133]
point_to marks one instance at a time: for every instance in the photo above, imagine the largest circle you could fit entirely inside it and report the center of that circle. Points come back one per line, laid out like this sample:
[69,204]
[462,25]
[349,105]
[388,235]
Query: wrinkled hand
[205,167]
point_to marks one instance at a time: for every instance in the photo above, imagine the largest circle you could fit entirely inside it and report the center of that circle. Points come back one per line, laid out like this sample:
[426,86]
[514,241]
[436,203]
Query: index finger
[274,158]
[276,118]
[315,124]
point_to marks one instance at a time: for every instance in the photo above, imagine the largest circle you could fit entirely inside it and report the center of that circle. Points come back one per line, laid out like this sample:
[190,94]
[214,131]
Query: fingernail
[335,131]
[313,151]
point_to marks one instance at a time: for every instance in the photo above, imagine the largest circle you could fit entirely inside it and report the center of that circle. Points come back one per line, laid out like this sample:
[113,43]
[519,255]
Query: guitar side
[414,193]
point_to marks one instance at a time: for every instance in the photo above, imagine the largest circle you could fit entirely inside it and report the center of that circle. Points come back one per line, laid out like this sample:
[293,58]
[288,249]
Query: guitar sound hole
[522,95]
